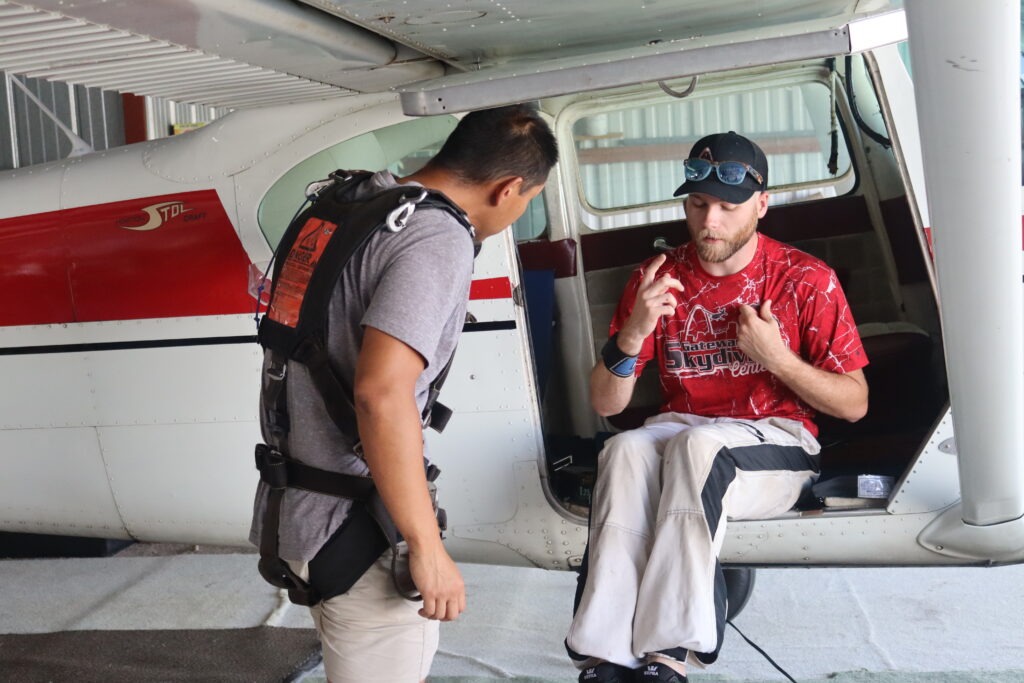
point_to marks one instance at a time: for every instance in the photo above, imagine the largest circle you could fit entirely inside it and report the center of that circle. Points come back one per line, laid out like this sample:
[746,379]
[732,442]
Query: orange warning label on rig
[292,282]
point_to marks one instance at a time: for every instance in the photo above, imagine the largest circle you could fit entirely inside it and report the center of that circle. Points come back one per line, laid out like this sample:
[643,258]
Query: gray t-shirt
[413,285]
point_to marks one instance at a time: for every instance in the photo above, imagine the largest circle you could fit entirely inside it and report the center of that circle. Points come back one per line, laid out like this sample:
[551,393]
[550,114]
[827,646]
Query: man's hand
[653,300]
[609,393]
[438,581]
[759,337]
[837,394]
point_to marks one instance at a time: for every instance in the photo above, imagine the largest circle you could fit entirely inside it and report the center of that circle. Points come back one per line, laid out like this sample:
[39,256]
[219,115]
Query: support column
[965,58]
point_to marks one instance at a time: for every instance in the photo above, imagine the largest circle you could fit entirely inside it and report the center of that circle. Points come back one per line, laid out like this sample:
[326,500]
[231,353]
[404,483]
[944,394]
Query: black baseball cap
[729,146]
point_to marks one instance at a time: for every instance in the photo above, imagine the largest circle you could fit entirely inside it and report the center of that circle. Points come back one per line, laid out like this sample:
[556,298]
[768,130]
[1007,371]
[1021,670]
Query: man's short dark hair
[497,143]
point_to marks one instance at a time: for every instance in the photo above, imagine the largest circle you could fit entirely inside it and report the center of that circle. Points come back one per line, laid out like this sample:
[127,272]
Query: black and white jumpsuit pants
[651,580]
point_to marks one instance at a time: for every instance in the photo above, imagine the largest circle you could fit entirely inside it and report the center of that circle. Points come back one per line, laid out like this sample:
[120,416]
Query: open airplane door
[492,455]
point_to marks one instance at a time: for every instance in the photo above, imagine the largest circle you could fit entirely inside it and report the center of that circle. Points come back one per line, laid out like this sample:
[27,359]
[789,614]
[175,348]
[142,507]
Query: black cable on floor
[763,653]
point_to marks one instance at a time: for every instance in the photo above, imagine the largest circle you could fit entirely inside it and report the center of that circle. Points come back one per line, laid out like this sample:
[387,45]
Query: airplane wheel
[739,584]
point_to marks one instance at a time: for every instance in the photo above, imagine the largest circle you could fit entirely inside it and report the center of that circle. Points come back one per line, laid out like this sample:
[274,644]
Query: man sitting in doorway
[751,337]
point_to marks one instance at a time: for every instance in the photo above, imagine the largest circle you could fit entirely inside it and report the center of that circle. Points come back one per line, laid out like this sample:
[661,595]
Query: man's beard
[725,248]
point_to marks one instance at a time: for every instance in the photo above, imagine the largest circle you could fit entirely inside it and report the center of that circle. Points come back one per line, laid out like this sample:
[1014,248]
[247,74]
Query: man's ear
[762,204]
[506,188]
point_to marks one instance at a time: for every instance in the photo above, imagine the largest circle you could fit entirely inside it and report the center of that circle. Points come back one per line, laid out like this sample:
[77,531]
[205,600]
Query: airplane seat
[902,399]
[859,266]
[902,404]
[542,262]
[539,289]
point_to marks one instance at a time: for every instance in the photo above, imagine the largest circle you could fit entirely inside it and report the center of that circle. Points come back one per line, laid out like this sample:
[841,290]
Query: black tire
[739,585]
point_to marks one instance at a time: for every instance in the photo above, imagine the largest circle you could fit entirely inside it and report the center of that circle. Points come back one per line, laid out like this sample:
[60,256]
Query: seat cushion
[901,393]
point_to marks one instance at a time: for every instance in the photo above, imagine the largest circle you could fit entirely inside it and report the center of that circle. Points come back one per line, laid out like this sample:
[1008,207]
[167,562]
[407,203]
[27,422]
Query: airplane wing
[242,53]
[234,54]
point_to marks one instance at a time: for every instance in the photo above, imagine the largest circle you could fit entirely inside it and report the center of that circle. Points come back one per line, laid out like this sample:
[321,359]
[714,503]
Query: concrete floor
[845,625]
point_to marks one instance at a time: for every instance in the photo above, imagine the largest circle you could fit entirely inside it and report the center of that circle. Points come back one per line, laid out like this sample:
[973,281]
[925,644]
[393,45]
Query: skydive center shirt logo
[706,345]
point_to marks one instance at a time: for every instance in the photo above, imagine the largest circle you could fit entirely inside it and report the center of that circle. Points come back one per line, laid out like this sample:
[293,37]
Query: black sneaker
[656,672]
[606,672]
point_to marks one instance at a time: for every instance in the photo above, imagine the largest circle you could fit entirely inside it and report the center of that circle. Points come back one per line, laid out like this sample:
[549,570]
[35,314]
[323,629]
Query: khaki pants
[371,634]
[652,582]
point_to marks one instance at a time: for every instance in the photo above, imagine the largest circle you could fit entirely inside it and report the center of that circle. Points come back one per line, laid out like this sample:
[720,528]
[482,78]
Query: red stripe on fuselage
[155,257]
[491,288]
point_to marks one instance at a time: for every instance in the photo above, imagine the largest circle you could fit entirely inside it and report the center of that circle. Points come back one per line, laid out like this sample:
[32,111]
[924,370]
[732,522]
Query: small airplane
[131,276]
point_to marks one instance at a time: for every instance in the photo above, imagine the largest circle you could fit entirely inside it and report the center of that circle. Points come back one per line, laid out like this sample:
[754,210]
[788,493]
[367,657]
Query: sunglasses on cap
[729,172]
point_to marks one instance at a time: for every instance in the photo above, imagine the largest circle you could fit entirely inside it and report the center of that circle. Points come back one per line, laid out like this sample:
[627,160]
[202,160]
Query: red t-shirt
[703,371]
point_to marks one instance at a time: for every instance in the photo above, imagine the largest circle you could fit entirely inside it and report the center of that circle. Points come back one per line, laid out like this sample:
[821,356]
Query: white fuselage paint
[126,444]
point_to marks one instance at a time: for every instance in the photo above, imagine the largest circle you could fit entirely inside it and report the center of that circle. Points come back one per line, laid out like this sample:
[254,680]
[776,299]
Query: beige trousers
[371,634]
[652,580]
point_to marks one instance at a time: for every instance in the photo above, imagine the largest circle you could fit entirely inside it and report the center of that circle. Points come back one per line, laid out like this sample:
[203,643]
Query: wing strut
[965,59]
[78,145]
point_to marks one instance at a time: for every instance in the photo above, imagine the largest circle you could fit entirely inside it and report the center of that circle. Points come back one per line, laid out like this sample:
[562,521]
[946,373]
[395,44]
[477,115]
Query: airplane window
[904,50]
[402,149]
[534,222]
[633,157]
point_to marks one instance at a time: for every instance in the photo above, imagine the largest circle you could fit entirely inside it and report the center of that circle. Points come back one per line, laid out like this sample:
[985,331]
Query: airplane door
[491,452]
[492,455]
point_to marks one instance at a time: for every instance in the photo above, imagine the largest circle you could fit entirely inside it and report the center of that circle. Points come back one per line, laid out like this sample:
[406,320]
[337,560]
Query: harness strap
[337,396]
[368,513]
[276,415]
[279,472]
[436,414]
[335,392]
[271,567]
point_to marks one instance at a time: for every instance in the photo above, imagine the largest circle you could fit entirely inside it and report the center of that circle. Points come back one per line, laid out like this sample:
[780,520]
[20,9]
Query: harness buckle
[438,417]
[277,372]
[316,188]
[277,573]
[272,466]
[399,216]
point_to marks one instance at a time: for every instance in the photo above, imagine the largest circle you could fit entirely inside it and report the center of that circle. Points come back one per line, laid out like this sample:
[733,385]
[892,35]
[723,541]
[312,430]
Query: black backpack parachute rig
[318,244]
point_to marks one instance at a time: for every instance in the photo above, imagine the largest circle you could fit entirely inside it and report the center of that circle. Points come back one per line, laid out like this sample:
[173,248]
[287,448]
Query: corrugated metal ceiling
[253,52]
[41,44]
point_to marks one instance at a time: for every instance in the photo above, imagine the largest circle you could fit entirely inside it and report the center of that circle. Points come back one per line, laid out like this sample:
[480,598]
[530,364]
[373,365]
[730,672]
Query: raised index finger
[652,270]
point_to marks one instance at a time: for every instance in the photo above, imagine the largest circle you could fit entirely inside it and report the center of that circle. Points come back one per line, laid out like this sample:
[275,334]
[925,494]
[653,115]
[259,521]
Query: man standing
[751,338]
[393,320]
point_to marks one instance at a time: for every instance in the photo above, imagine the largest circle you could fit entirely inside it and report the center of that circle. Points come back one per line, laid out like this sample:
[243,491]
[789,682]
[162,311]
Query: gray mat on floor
[1014,676]
[223,655]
